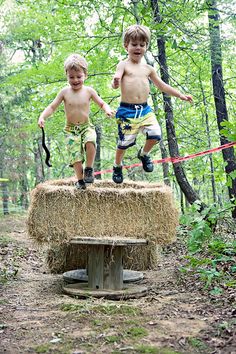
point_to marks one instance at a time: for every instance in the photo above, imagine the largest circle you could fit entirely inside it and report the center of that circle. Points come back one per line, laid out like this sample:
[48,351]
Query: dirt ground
[176,316]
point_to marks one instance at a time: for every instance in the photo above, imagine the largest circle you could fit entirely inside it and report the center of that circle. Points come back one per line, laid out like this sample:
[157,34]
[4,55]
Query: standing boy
[134,114]
[80,133]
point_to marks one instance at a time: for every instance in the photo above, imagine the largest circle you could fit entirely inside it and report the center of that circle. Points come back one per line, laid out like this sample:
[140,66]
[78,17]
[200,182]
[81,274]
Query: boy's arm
[97,99]
[158,82]
[50,109]
[118,75]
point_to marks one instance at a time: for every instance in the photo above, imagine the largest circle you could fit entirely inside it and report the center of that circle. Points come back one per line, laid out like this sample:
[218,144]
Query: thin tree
[219,94]
[180,175]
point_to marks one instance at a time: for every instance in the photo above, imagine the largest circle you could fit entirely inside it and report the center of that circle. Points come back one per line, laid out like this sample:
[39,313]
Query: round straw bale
[59,212]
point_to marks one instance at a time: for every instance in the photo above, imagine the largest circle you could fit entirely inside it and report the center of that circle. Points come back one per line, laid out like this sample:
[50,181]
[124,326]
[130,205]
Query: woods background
[192,48]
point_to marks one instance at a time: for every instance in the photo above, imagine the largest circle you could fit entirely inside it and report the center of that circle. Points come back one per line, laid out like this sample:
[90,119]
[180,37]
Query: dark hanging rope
[45,149]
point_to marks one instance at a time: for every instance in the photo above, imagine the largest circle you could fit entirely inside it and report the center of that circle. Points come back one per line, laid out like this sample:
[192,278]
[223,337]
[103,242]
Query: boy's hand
[109,112]
[41,122]
[115,82]
[107,109]
[186,98]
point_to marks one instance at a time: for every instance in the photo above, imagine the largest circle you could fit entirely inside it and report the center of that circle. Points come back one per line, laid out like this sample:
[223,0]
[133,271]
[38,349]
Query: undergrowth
[211,249]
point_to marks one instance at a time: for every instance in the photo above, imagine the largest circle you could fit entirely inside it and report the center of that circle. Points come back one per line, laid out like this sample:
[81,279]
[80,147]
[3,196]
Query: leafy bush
[212,259]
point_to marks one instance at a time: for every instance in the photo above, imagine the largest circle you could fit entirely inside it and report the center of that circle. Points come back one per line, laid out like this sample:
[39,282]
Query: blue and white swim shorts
[135,118]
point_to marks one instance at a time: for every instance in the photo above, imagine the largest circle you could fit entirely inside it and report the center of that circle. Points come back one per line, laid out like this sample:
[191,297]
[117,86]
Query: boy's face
[75,78]
[136,49]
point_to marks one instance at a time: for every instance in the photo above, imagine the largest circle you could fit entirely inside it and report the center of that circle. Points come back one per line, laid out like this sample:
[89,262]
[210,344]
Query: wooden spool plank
[106,273]
[81,290]
[96,266]
[108,241]
[113,274]
[81,275]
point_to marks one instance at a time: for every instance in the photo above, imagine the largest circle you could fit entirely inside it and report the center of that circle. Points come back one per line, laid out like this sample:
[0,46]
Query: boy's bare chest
[137,72]
[77,99]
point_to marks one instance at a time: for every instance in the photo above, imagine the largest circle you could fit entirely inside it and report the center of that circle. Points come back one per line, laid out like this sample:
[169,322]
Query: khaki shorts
[76,138]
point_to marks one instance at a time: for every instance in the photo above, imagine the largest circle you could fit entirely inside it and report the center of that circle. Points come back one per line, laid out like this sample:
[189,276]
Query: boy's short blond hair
[76,62]
[137,32]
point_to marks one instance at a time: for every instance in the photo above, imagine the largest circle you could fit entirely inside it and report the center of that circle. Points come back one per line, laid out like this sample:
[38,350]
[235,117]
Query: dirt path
[36,317]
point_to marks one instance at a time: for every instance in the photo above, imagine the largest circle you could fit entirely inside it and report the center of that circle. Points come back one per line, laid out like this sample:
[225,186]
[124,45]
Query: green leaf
[216,291]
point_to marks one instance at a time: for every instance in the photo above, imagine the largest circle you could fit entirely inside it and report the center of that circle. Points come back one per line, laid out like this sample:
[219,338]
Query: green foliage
[229,130]
[215,267]
[212,259]
[113,339]
[4,240]
[197,343]
[105,309]
[136,332]
[43,348]
[38,36]
[147,349]
[200,226]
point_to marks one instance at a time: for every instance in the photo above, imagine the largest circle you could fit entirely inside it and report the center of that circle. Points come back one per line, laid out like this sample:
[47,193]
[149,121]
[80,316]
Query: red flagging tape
[175,159]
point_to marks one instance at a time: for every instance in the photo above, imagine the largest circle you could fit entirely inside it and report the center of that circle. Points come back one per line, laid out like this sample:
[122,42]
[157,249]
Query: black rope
[45,149]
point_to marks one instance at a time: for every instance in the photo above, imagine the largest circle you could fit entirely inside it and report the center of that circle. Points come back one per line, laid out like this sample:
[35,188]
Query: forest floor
[176,316]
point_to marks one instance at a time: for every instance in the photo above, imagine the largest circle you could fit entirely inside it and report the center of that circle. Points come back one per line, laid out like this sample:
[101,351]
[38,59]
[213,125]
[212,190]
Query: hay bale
[65,257]
[59,212]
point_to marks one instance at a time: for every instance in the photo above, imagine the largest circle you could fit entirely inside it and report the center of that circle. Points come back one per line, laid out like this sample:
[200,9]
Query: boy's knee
[90,144]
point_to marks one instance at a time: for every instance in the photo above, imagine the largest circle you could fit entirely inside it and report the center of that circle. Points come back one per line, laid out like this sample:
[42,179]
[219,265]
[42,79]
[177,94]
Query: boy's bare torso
[135,82]
[76,104]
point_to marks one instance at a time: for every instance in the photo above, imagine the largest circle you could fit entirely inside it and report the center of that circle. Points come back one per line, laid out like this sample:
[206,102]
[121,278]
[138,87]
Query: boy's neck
[76,89]
[134,61]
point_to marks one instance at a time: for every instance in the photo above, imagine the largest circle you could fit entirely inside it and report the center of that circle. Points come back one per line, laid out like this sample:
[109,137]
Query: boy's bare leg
[117,175]
[90,154]
[90,157]
[119,156]
[78,168]
[149,145]
[143,155]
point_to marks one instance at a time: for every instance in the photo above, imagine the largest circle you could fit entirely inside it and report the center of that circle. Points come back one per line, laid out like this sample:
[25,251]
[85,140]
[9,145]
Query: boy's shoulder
[122,62]
[89,88]
[64,89]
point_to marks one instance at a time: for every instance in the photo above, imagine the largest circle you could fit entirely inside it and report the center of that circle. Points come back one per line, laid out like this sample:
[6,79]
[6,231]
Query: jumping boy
[80,133]
[134,114]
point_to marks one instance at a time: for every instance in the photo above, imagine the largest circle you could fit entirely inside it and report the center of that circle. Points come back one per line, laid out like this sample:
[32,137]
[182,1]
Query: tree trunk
[5,198]
[98,151]
[165,165]
[219,94]
[23,182]
[213,185]
[181,178]
[39,167]
[24,190]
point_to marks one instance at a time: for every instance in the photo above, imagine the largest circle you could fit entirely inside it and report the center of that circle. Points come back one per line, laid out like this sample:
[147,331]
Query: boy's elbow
[52,108]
